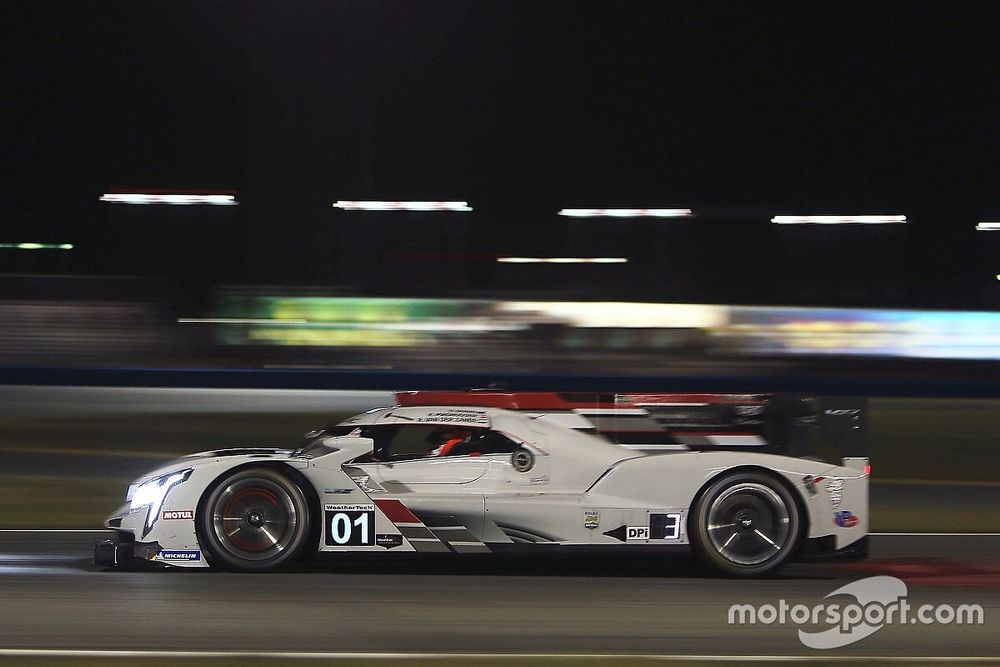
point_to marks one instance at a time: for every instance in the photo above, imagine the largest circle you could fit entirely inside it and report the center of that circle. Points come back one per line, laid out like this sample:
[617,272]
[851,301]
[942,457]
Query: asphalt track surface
[51,597]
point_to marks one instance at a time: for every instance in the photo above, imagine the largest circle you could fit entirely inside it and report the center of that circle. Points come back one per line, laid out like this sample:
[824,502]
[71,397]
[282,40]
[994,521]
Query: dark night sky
[740,109]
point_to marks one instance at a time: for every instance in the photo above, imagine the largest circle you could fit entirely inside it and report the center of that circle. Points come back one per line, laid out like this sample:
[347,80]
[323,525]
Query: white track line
[934,534]
[933,482]
[321,655]
[56,530]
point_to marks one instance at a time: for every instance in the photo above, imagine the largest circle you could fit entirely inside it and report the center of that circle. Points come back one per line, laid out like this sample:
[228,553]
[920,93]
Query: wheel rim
[749,524]
[255,519]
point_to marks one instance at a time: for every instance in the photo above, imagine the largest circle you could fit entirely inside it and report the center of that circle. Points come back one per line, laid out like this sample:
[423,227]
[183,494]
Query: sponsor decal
[591,519]
[637,533]
[173,554]
[835,487]
[336,491]
[363,507]
[543,479]
[363,482]
[845,519]
[810,483]
[178,514]
[389,541]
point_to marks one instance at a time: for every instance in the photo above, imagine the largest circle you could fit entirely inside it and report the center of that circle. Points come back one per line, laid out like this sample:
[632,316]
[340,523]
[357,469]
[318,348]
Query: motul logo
[179,514]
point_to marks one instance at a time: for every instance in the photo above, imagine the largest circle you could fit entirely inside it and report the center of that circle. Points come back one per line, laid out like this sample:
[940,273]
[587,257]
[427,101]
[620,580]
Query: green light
[37,246]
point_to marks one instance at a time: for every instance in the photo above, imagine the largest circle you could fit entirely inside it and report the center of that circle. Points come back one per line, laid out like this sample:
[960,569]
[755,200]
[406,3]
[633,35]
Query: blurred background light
[838,219]
[562,260]
[254,326]
[37,246]
[626,212]
[988,227]
[168,198]
[238,320]
[485,328]
[618,314]
[403,205]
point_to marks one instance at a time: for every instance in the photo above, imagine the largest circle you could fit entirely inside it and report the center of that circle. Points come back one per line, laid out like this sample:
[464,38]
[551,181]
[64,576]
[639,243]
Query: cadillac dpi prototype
[731,477]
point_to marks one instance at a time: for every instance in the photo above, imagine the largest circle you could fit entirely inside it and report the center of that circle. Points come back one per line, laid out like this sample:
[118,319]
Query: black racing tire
[254,519]
[746,524]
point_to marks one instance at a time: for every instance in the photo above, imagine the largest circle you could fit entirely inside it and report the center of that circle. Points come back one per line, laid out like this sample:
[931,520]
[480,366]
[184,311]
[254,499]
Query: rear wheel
[254,519]
[746,524]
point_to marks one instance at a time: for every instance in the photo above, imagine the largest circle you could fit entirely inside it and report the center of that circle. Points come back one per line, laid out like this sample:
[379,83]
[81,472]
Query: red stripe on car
[396,511]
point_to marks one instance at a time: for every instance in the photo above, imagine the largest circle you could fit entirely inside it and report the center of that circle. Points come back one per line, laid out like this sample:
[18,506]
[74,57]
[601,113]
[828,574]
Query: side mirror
[343,448]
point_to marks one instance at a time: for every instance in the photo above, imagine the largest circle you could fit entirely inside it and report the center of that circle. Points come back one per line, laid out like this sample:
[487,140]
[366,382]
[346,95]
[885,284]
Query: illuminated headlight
[150,495]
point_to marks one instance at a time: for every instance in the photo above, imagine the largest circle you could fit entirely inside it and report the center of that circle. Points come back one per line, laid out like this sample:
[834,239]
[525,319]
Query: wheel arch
[315,525]
[797,496]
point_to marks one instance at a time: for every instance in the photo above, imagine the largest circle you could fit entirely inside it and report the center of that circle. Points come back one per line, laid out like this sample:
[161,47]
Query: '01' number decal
[350,525]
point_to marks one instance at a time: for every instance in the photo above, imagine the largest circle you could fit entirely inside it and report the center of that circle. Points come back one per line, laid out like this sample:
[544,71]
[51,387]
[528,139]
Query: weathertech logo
[179,514]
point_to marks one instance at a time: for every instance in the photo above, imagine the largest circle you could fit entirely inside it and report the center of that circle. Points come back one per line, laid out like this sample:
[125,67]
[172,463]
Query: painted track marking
[333,655]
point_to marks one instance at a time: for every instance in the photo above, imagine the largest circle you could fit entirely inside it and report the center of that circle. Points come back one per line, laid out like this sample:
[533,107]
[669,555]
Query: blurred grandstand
[137,322]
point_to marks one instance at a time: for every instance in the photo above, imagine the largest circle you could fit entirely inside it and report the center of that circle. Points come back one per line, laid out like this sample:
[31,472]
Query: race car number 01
[353,528]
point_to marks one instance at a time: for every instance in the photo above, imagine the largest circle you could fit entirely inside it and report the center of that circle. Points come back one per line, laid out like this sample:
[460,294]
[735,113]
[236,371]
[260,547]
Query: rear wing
[825,427]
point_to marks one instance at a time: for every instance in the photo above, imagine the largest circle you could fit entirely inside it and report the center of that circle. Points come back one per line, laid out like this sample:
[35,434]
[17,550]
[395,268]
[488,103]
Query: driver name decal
[479,417]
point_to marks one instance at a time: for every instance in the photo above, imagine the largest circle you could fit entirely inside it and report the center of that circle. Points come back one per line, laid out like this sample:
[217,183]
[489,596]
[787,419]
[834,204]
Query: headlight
[151,495]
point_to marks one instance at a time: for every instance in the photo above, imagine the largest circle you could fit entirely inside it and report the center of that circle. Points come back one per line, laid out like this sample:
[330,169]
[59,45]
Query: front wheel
[746,524]
[253,520]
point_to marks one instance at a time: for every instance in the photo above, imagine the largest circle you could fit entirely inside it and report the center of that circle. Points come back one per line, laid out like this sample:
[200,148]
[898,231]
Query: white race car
[470,472]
